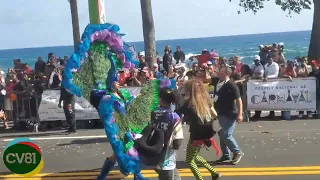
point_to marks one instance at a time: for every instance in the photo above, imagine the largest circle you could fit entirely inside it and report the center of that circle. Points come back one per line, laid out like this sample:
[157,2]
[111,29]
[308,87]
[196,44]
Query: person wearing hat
[142,60]
[257,68]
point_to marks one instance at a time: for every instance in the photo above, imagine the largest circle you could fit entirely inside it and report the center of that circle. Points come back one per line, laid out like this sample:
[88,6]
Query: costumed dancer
[199,114]
[112,102]
[160,140]
[118,106]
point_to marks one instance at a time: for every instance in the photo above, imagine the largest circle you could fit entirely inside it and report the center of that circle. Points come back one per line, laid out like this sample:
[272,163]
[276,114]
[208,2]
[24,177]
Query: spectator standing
[189,63]
[179,55]
[40,65]
[257,68]
[258,72]
[271,68]
[238,64]
[68,108]
[304,71]
[193,71]
[271,72]
[142,60]
[155,70]
[228,104]
[55,78]
[171,72]
[167,58]
[133,79]
[289,71]
[50,67]
[2,100]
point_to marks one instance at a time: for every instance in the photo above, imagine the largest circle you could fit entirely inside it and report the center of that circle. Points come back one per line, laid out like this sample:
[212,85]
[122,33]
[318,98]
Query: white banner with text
[282,94]
[49,110]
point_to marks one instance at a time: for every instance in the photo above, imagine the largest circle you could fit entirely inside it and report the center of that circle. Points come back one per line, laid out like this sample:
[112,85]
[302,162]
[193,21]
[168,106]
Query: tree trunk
[314,48]
[148,32]
[75,23]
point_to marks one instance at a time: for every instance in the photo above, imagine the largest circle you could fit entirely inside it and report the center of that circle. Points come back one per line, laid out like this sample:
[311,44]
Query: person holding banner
[228,103]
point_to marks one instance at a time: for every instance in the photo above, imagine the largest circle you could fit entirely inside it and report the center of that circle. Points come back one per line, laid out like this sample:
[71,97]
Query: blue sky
[38,23]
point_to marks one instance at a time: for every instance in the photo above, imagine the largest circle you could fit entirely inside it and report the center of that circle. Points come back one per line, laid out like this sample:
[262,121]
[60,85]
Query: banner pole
[97,11]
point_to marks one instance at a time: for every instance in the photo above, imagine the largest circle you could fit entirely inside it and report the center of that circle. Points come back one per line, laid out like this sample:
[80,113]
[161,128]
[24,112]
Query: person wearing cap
[142,60]
[257,68]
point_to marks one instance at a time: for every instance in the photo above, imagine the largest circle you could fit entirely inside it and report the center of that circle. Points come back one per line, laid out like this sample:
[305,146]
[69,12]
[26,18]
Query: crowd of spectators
[270,63]
[22,87]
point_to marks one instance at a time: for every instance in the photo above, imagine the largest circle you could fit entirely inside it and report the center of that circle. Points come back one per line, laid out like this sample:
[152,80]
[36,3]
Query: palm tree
[75,23]
[314,53]
[148,32]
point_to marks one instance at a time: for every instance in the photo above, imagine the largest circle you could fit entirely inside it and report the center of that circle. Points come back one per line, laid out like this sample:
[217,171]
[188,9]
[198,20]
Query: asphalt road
[280,150]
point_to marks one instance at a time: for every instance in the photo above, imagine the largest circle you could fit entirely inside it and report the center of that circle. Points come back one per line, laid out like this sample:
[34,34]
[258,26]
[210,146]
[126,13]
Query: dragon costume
[100,55]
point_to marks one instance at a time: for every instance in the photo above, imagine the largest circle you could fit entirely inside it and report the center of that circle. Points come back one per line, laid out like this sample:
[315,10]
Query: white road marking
[62,137]
[104,136]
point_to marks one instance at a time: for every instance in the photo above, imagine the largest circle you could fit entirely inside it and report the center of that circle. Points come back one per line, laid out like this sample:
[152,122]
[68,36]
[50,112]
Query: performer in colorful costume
[122,115]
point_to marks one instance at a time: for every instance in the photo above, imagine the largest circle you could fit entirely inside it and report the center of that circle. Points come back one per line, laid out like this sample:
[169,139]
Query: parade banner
[49,110]
[282,94]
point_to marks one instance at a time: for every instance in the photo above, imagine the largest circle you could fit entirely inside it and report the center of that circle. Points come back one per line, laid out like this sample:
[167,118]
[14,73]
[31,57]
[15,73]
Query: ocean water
[246,46]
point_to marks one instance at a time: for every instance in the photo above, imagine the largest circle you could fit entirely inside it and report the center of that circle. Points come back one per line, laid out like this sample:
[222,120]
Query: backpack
[152,146]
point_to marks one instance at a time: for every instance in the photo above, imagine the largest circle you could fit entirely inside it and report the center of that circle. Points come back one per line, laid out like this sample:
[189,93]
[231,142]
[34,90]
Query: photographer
[55,78]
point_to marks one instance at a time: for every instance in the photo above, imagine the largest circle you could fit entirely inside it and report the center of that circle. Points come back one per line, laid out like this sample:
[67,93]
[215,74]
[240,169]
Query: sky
[42,23]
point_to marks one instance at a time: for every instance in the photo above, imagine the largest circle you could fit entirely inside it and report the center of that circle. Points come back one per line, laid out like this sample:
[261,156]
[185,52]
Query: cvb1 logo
[22,156]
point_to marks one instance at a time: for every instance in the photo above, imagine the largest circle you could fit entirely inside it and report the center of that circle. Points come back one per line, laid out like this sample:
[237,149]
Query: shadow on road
[29,134]
[86,141]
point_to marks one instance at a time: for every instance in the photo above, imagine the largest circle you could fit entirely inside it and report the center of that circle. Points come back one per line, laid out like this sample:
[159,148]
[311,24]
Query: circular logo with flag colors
[22,156]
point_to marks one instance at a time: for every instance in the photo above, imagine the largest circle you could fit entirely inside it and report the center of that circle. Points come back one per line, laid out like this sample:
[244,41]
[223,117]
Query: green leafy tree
[293,6]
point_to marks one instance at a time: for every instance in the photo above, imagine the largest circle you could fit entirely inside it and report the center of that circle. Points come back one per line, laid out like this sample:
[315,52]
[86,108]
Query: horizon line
[232,35]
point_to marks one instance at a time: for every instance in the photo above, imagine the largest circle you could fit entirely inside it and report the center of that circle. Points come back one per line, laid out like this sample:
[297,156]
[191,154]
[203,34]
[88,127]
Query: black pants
[168,174]
[70,116]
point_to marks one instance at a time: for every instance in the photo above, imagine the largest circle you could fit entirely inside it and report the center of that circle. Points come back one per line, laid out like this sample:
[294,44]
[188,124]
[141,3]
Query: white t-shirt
[272,70]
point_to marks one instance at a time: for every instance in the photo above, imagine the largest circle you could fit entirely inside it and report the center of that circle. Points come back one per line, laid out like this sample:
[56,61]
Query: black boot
[106,168]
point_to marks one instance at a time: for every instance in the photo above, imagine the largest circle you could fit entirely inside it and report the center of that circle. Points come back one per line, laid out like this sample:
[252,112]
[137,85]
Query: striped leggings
[192,158]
